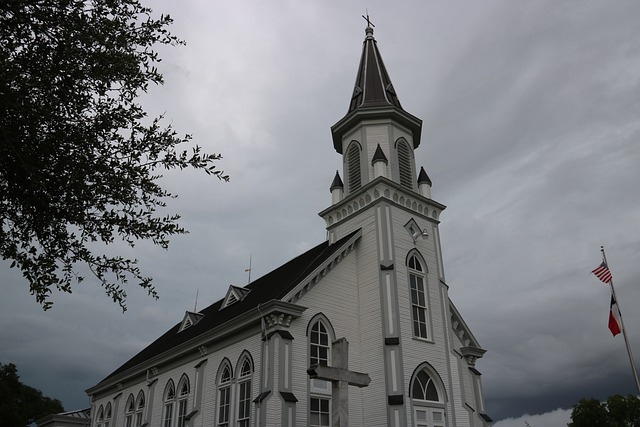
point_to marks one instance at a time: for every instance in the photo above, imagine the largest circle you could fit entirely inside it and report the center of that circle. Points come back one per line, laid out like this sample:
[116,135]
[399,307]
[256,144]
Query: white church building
[356,331]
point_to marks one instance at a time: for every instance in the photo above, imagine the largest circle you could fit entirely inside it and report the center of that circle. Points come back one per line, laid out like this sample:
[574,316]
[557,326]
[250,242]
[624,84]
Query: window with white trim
[129,410]
[224,395]
[139,408]
[320,336]
[107,415]
[427,400]
[244,393]
[418,295]
[100,417]
[169,400]
[183,399]
[320,412]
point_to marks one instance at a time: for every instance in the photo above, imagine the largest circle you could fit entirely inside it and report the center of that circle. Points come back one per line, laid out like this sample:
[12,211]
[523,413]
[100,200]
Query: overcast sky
[531,117]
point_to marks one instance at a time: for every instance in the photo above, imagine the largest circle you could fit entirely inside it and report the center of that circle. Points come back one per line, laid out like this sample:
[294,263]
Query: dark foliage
[79,158]
[20,404]
[617,411]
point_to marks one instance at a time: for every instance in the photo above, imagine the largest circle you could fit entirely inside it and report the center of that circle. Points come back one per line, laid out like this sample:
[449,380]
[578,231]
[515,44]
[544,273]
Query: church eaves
[272,286]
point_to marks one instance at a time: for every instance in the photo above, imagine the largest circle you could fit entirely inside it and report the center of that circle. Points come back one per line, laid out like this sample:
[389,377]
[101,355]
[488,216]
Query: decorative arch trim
[416,253]
[325,320]
[245,355]
[435,377]
[224,363]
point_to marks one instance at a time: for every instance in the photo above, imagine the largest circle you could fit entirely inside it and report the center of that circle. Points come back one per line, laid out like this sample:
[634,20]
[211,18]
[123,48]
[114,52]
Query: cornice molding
[382,188]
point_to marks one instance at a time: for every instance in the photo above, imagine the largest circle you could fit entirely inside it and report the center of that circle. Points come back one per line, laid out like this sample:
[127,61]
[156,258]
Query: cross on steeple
[369,23]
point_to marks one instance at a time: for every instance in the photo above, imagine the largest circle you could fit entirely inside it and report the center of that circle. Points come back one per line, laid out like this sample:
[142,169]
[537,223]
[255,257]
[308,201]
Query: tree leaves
[80,156]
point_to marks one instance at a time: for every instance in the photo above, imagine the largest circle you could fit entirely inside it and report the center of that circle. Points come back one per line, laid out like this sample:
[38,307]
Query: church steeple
[373,86]
[373,96]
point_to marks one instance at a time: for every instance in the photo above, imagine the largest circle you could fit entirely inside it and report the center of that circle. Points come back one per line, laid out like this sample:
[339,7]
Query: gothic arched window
[427,398]
[354,174]
[405,162]
[224,394]
[418,295]
[107,415]
[244,392]
[139,408]
[129,410]
[183,398]
[320,335]
[100,417]
[169,400]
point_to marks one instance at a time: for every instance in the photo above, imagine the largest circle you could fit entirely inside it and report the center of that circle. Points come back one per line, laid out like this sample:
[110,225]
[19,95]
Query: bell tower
[377,139]
[404,313]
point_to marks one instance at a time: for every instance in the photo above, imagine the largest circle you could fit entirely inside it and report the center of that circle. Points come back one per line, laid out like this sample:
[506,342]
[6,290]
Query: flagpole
[624,329]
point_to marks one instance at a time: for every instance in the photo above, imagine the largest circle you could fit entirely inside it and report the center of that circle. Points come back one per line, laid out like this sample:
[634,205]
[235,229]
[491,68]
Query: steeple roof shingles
[374,96]
[373,86]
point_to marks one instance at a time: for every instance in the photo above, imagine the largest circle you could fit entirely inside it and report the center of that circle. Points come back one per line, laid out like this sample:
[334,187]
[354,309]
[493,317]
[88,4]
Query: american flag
[603,273]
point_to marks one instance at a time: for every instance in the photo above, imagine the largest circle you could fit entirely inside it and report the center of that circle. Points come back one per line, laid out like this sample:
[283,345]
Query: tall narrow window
[404,164]
[418,293]
[183,398]
[320,337]
[107,415]
[169,400]
[244,394]
[128,412]
[139,408]
[320,412]
[224,396]
[319,347]
[100,417]
[354,179]
[427,401]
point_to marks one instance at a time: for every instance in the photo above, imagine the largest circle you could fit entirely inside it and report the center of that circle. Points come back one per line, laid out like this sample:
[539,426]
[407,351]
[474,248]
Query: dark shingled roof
[373,86]
[379,156]
[337,182]
[374,97]
[423,177]
[273,285]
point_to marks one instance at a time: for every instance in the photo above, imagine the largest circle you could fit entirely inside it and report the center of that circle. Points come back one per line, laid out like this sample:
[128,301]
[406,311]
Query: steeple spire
[374,97]
[373,86]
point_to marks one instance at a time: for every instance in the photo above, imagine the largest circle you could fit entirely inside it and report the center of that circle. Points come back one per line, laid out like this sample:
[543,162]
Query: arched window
[169,400]
[354,174]
[107,415]
[418,294]
[183,399]
[424,388]
[244,392]
[427,398]
[320,336]
[224,394]
[405,162]
[319,344]
[129,410]
[100,417]
[139,408]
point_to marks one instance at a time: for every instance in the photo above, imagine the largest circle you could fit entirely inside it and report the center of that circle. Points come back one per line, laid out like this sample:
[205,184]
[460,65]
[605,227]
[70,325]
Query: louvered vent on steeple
[354,179]
[404,165]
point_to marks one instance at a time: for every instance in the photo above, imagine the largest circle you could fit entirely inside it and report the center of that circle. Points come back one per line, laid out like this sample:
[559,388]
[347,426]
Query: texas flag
[615,325]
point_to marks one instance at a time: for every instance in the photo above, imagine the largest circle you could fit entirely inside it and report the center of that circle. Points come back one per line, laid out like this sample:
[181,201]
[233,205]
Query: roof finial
[369,23]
